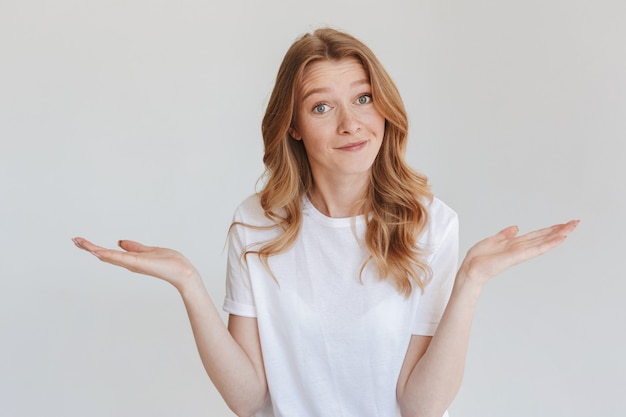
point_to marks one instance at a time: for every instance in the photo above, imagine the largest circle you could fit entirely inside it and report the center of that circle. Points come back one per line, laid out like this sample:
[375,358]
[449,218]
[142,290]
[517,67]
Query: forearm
[241,384]
[437,376]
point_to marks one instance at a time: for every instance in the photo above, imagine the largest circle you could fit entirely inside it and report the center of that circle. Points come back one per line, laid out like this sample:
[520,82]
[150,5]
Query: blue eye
[364,99]
[320,108]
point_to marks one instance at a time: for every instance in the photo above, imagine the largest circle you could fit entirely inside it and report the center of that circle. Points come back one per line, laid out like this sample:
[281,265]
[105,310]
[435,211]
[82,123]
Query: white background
[141,119]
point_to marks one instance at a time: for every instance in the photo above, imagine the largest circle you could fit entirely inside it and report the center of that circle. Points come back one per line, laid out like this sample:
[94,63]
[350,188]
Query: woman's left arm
[433,368]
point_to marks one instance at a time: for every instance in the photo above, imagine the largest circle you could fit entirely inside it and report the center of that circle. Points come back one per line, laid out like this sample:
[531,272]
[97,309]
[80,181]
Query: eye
[321,108]
[364,99]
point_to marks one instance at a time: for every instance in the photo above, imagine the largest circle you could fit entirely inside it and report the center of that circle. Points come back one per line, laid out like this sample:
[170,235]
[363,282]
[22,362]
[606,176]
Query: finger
[545,242]
[549,232]
[114,257]
[508,233]
[560,234]
[132,246]
[77,243]
[84,244]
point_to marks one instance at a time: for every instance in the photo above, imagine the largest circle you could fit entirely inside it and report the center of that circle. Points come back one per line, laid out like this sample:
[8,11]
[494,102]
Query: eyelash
[318,105]
[368,96]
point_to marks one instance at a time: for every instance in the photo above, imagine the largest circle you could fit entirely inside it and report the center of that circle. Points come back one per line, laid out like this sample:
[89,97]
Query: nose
[348,122]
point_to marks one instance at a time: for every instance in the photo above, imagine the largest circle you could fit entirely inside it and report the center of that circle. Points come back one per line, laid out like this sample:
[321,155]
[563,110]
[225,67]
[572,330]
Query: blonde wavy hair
[396,195]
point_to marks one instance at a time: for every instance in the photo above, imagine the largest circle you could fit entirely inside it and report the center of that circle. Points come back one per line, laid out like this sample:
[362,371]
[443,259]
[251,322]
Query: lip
[353,146]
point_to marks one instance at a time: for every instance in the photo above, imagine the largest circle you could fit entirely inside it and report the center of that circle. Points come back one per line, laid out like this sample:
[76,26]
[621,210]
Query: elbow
[243,411]
[247,407]
[420,408]
[422,413]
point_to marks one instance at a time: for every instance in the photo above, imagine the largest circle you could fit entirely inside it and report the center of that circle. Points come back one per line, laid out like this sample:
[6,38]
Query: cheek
[380,126]
[377,122]
[317,130]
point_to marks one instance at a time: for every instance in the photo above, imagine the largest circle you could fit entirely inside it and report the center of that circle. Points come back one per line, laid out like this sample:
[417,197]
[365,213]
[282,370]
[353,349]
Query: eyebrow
[324,89]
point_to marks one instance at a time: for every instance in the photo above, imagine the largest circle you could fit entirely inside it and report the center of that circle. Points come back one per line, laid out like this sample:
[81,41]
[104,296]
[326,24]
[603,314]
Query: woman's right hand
[163,263]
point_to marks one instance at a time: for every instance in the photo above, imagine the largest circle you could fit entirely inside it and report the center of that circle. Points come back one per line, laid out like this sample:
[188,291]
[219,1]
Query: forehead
[325,73]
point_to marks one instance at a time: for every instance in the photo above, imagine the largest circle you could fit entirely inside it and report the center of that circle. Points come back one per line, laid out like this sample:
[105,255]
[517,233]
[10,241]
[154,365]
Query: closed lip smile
[353,146]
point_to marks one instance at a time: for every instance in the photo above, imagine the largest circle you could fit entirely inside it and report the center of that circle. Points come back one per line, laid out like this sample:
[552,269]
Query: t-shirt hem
[425,329]
[238,309]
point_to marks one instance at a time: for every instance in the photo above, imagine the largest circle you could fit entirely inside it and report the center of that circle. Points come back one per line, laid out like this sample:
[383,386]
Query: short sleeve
[443,263]
[239,299]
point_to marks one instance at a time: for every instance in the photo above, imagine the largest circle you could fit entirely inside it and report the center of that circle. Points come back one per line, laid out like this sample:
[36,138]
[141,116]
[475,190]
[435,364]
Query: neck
[339,199]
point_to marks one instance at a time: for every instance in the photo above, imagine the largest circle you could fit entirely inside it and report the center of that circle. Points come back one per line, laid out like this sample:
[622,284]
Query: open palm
[493,255]
[163,263]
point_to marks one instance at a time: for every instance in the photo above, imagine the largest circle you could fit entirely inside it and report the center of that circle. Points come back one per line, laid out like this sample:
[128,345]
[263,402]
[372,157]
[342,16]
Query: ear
[294,133]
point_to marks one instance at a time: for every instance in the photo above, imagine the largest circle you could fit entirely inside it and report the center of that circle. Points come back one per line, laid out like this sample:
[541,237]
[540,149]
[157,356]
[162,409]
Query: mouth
[353,146]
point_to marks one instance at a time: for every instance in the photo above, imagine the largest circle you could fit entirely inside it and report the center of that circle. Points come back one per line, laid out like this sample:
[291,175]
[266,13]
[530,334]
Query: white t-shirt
[333,345]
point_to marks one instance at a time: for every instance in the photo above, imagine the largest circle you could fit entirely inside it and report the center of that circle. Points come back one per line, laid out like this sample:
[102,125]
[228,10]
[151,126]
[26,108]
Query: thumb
[132,246]
[509,232]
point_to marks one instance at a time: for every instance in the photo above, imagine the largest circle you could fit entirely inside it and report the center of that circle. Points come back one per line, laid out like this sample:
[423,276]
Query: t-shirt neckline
[313,212]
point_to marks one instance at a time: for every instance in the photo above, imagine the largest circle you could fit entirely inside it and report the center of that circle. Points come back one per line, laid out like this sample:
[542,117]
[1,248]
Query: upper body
[334,341]
[327,337]
[333,277]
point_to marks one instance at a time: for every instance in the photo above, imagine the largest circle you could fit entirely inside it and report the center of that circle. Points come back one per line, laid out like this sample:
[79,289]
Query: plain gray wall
[140,119]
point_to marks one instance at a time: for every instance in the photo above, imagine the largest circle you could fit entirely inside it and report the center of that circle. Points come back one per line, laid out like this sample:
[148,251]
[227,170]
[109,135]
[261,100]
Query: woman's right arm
[231,356]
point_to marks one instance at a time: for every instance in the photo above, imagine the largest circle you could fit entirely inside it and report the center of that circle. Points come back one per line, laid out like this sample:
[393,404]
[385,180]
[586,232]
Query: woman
[342,290]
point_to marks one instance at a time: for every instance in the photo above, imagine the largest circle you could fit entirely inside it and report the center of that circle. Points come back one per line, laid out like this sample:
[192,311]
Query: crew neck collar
[311,210]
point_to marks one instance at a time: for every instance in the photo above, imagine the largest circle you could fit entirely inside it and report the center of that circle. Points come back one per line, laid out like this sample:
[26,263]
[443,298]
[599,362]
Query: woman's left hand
[497,253]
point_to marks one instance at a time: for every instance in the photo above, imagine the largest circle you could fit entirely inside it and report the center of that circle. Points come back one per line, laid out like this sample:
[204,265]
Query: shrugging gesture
[335,133]
[486,259]
[432,369]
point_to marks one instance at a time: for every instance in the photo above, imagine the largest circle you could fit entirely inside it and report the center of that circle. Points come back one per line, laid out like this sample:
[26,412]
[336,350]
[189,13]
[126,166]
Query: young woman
[342,289]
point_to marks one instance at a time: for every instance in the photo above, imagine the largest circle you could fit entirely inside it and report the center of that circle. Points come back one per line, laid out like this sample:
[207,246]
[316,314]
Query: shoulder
[443,222]
[250,223]
[250,212]
[440,213]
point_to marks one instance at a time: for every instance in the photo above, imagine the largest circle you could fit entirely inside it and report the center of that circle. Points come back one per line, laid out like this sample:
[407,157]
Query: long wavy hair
[396,197]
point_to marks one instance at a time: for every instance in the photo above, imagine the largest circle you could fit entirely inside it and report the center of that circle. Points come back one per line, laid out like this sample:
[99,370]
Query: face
[337,121]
